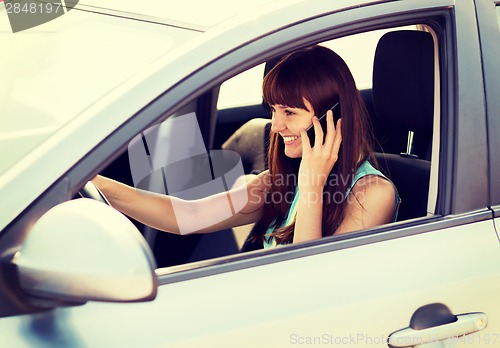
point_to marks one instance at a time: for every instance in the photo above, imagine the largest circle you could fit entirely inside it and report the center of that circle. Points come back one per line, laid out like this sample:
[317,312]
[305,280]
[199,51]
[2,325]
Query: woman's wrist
[314,182]
[311,196]
[311,187]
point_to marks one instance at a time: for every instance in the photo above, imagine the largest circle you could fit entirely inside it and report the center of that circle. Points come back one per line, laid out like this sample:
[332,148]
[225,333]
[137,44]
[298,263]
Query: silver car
[128,88]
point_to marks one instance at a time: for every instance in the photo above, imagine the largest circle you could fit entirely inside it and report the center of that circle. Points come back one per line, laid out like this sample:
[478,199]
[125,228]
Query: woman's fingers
[333,138]
[330,130]
[338,137]
[318,132]
[306,145]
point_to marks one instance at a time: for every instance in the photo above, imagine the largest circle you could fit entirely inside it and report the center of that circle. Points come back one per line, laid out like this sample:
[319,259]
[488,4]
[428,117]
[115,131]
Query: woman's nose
[277,123]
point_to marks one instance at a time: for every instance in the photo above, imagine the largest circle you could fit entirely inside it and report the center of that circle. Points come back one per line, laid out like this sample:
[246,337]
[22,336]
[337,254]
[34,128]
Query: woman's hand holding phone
[322,120]
[319,157]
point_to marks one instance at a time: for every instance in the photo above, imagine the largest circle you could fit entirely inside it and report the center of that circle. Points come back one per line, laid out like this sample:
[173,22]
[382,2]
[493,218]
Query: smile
[289,139]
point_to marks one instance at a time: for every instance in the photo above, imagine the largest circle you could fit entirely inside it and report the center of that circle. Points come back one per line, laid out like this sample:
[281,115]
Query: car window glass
[243,89]
[39,95]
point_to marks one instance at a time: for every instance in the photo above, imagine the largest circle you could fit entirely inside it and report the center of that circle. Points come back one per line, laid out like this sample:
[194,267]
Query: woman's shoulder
[366,168]
[369,178]
[373,188]
[373,183]
[370,203]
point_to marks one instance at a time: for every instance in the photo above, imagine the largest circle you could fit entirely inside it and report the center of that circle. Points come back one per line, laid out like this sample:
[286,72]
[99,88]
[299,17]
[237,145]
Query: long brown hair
[322,77]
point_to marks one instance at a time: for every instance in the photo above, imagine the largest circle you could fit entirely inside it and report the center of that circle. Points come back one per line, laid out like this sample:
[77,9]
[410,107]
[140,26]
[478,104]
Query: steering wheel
[92,191]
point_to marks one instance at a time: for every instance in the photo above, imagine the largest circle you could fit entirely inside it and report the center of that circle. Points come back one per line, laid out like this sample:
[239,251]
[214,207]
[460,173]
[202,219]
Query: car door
[359,290]
[490,48]
[353,290]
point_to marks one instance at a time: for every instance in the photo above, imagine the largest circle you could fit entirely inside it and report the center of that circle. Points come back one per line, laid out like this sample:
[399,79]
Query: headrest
[403,80]
[251,141]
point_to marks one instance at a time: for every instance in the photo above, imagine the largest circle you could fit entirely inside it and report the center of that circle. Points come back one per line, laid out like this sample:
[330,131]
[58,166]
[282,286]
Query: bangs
[311,74]
[282,87]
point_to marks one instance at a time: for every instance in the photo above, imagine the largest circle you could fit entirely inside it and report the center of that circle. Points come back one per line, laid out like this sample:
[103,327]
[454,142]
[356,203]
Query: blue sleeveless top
[364,169]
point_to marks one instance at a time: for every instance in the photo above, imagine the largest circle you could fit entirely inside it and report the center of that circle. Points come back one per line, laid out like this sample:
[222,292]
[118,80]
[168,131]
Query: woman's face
[287,122]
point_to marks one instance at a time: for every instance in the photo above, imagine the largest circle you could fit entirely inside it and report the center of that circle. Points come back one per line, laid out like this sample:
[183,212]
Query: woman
[334,188]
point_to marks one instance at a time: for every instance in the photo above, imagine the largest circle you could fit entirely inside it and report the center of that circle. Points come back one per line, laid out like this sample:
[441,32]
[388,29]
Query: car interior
[402,108]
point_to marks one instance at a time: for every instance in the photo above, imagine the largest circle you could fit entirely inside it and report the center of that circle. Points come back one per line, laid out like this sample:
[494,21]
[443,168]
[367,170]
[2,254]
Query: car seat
[403,99]
[251,141]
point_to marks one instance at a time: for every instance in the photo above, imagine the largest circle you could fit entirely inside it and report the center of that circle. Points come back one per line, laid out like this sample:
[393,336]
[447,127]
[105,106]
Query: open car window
[174,156]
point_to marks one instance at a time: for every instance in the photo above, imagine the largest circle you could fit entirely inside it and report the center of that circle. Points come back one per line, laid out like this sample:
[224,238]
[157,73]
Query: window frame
[489,29]
[268,45]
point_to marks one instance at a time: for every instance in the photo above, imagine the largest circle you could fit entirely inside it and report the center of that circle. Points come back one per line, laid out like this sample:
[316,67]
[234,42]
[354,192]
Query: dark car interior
[401,108]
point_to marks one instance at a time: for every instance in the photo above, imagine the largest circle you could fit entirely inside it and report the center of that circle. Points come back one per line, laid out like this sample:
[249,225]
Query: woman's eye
[289,113]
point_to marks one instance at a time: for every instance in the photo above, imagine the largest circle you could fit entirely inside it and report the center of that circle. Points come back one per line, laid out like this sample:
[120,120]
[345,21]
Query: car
[93,90]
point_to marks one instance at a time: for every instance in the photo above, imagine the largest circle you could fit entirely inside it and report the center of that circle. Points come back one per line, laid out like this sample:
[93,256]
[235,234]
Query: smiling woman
[303,84]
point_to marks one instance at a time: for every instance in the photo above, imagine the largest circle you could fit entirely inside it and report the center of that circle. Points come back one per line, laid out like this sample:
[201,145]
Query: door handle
[434,324]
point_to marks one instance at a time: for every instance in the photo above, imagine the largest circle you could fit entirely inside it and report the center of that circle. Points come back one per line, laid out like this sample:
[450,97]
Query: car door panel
[351,289]
[277,304]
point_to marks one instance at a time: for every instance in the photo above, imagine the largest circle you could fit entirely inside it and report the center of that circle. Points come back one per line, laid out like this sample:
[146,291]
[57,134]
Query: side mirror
[84,250]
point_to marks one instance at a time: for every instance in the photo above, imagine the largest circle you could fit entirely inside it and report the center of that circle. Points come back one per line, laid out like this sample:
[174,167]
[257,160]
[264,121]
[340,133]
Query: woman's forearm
[239,206]
[308,222]
[149,208]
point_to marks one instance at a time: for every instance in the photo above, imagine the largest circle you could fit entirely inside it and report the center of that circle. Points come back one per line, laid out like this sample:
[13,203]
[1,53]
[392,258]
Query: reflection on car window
[51,77]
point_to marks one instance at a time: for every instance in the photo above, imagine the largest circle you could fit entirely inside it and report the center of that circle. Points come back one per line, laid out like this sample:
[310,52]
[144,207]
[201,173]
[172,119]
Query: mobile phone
[322,121]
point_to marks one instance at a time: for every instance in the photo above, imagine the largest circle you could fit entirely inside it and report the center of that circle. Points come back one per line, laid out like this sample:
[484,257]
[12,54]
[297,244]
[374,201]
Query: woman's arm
[316,164]
[241,205]
[370,203]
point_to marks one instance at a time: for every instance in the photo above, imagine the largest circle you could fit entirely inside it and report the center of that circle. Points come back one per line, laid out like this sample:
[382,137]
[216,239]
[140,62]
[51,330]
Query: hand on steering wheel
[90,190]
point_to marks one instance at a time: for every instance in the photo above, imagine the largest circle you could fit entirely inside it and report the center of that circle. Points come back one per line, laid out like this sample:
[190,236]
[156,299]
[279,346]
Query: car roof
[187,13]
